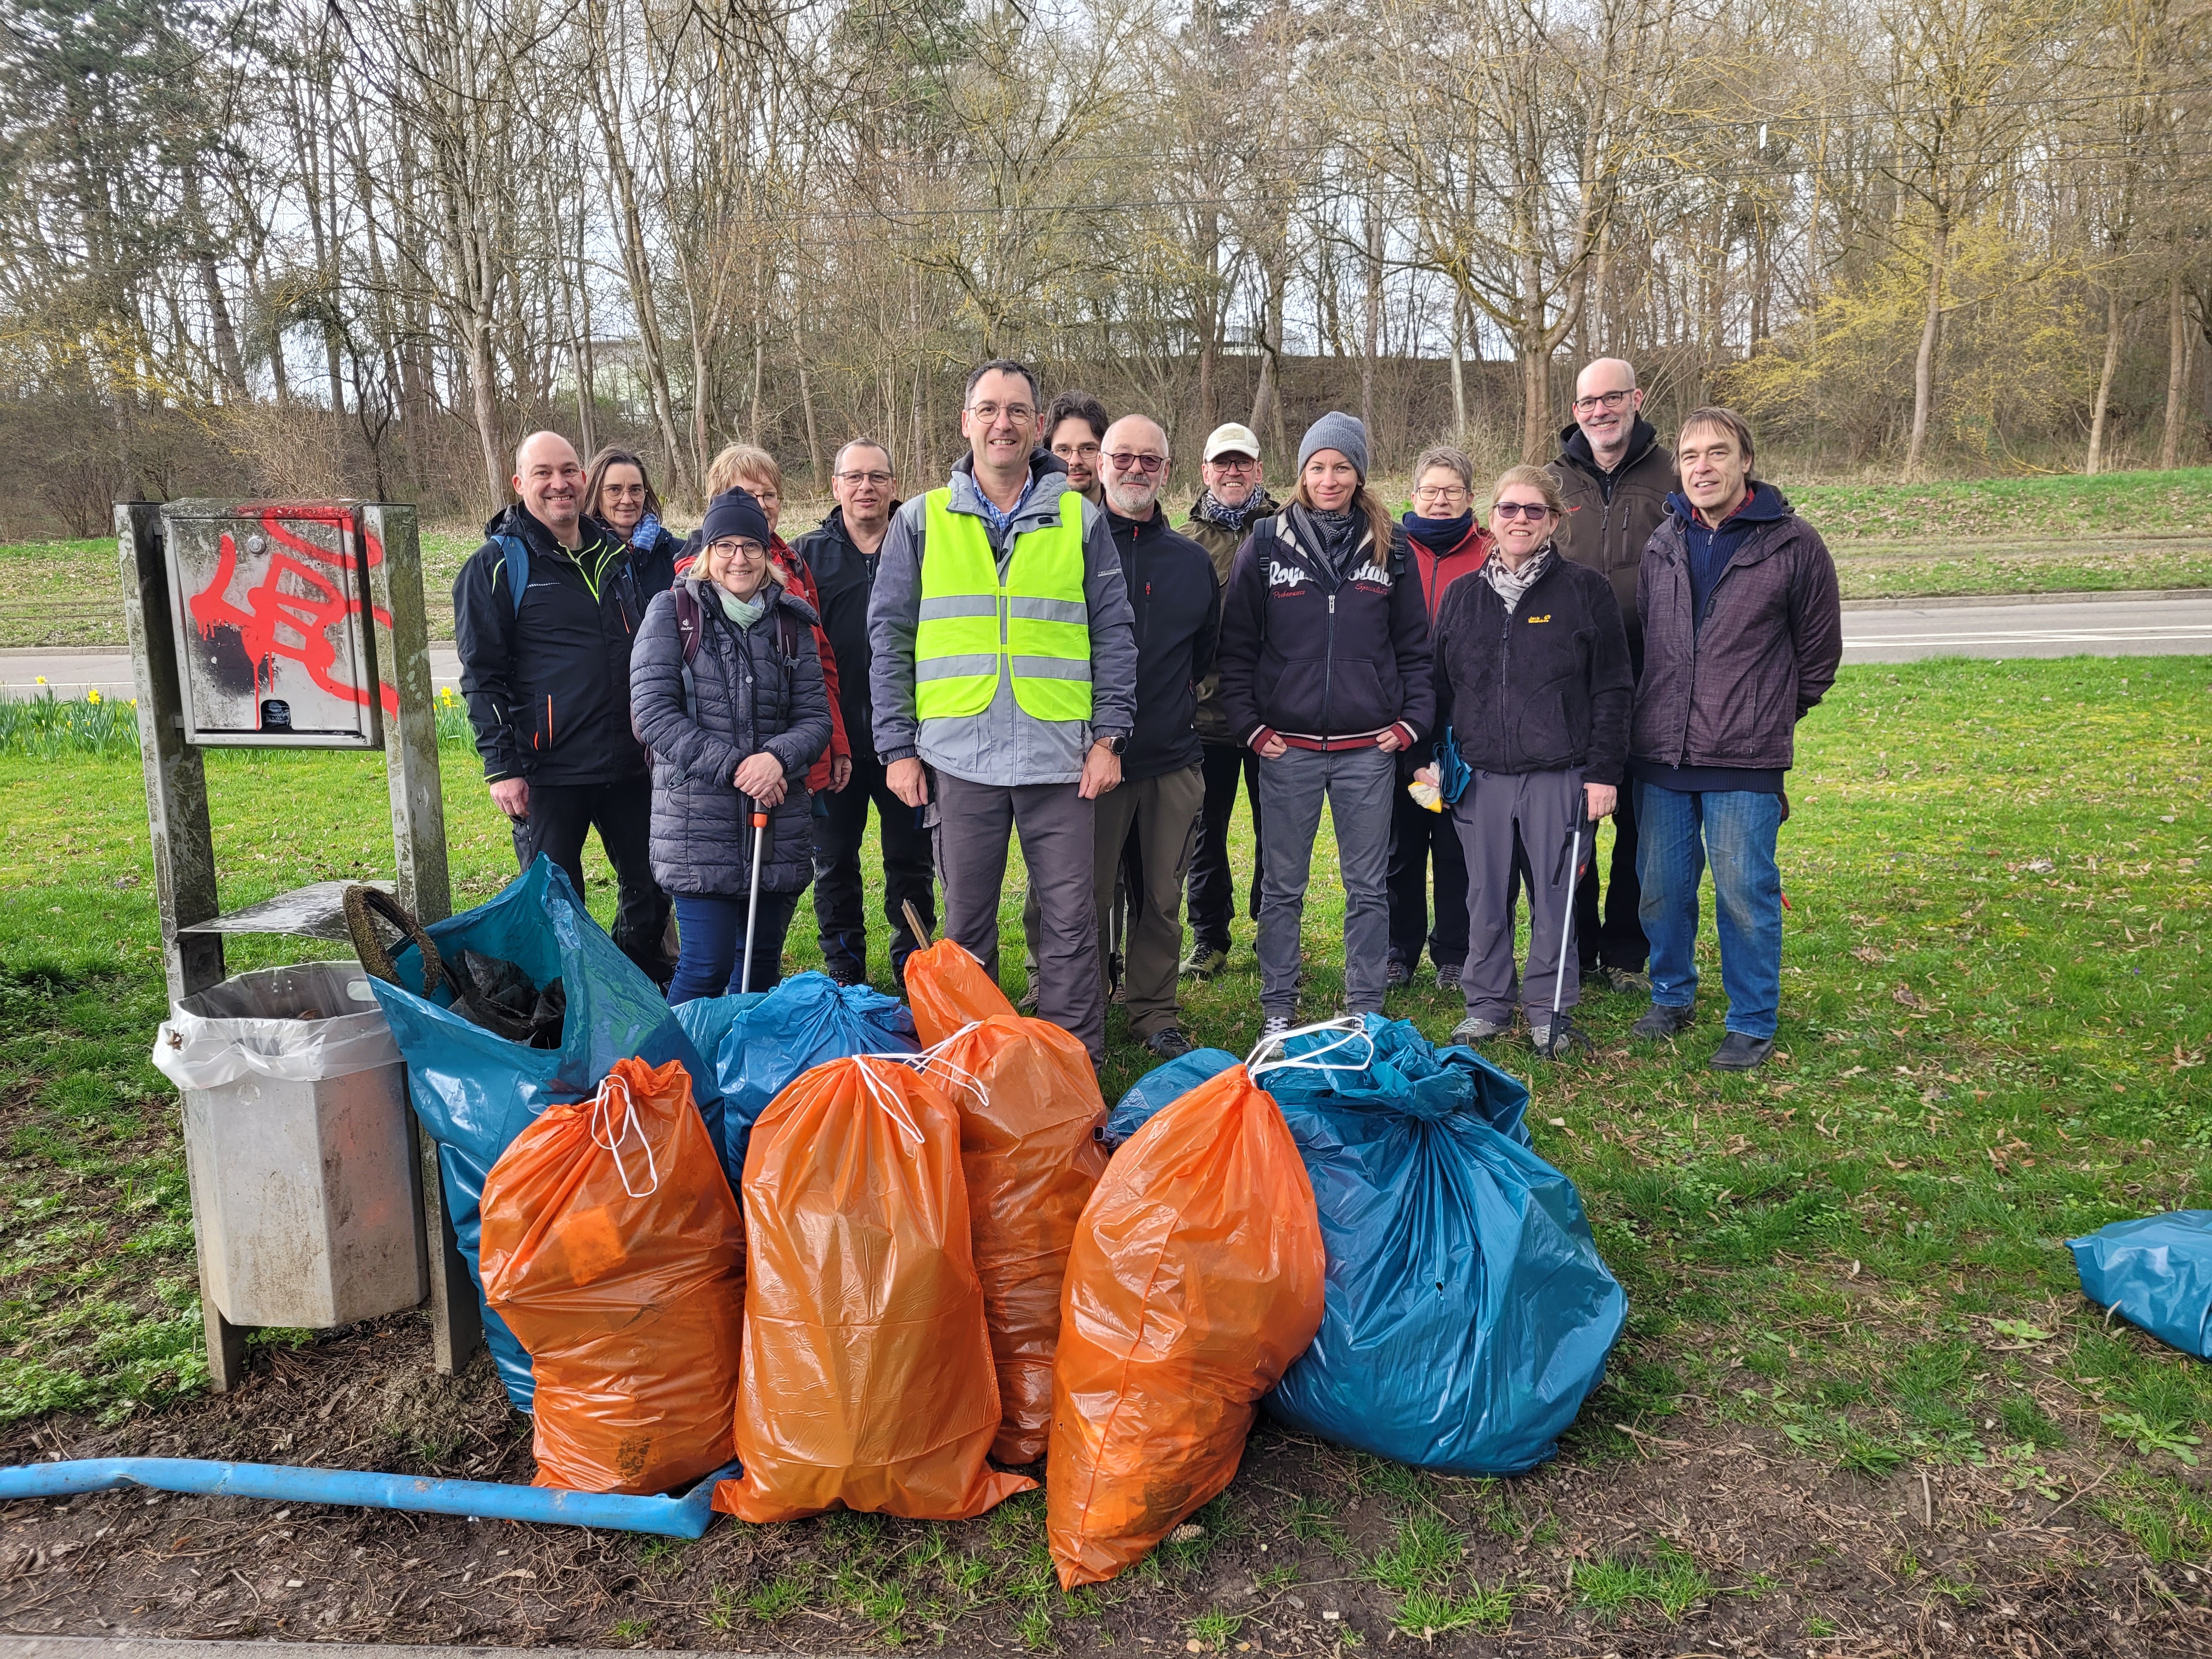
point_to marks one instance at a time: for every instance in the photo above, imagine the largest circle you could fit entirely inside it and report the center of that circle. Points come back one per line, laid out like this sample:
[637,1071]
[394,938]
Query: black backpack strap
[688,622]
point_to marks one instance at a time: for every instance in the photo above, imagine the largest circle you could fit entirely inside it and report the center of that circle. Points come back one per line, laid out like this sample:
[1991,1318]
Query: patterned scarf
[646,532]
[1257,505]
[1512,584]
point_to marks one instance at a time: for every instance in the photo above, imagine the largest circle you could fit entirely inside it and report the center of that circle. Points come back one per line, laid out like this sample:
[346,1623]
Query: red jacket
[788,568]
[1439,571]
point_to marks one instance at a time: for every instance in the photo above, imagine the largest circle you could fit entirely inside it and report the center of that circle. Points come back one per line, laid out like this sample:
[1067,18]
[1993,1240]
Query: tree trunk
[1535,400]
[2097,419]
[1209,321]
[486,409]
[1458,376]
[1923,363]
[2177,372]
[1370,332]
[813,437]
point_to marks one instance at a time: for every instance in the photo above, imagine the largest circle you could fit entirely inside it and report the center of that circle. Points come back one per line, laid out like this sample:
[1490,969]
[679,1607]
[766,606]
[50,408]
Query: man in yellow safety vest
[1004,678]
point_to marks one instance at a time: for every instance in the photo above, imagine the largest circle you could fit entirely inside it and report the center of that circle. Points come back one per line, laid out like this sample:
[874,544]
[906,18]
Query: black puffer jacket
[750,696]
[1543,688]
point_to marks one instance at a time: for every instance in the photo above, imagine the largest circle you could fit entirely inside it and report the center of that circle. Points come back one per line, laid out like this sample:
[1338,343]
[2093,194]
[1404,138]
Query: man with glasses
[1004,662]
[1178,608]
[1074,427]
[1233,500]
[1615,476]
[843,555]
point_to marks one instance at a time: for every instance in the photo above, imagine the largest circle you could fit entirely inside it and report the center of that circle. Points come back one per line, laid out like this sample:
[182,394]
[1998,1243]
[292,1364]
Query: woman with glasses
[1447,542]
[1531,680]
[618,492]
[1325,672]
[725,689]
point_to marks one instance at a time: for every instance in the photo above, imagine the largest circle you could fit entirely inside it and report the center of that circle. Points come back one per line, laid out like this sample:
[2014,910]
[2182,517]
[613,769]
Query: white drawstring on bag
[1352,1028]
[601,1119]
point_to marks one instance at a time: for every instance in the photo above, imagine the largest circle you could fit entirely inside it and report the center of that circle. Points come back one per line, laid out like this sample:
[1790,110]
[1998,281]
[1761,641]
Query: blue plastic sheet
[1468,1313]
[2157,1272]
[762,1041]
[1163,1084]
[474,1091]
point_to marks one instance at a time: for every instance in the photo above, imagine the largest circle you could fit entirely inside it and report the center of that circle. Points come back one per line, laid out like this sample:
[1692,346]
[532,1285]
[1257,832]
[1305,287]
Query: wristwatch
[1114,746]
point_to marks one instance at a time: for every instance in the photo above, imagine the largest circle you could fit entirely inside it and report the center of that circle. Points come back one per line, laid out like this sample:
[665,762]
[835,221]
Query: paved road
[1903,630]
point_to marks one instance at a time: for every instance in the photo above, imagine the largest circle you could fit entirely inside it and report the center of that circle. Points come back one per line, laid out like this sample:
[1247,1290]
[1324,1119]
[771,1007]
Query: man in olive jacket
[1742,632]
[1615,476]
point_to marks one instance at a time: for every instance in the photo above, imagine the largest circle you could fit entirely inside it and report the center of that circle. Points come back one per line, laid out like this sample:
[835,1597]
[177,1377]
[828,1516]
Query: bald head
[1607,401]
[549,478]
[1133,444]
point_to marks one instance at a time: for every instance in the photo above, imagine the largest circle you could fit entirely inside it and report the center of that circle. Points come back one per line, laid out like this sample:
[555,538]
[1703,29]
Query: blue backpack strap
[517,567]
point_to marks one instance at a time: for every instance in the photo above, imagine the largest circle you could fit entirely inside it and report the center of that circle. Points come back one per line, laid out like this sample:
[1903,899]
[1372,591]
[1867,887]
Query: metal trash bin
[303,1181]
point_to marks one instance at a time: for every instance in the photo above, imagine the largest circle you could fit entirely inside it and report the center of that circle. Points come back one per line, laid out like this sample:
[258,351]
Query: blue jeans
[1677,835]
[709,930]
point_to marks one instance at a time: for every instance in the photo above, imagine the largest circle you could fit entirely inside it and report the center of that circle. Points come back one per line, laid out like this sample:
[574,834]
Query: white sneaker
[1275,1025]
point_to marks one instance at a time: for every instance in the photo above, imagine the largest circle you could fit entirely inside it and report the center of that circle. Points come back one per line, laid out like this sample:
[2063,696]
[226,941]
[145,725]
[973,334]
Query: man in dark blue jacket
[1177,605]
[842,555]
[545,614]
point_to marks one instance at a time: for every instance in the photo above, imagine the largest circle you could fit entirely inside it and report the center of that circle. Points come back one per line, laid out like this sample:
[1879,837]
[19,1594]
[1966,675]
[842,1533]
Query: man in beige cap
[1233,501]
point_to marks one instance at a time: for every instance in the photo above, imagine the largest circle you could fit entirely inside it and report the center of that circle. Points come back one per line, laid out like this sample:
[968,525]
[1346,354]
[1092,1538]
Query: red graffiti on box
[306,591]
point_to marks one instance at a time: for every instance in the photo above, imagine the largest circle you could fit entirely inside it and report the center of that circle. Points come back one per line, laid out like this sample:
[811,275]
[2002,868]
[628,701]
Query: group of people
[1034,649]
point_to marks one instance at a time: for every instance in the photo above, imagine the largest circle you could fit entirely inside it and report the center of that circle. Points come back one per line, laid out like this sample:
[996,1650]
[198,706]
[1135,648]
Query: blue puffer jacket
[750,696]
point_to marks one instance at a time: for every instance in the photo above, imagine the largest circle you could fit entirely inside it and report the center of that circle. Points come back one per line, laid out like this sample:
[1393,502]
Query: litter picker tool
[752,904]
[1567,921]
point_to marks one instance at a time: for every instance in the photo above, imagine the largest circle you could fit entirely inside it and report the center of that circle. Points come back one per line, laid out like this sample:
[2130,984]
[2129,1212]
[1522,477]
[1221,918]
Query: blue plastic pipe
[676,1517]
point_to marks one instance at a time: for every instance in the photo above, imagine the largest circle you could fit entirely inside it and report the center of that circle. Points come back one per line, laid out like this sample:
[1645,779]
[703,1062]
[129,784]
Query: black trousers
[1416,834]
[622,812]
[841,823]
[1210,893]
[1615,937]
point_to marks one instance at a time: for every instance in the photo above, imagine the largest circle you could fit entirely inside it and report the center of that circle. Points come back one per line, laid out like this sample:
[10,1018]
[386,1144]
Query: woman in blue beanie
[725,689]
[1326,673]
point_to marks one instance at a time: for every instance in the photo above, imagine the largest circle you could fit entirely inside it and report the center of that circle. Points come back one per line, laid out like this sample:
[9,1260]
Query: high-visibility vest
[1034,625]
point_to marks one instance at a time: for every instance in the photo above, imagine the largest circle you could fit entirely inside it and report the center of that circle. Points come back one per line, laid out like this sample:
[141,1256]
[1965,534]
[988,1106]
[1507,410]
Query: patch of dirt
[1789,1558]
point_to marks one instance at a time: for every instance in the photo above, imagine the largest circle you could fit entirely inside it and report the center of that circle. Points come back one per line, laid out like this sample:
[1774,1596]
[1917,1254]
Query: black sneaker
[1399,975]
[1604,977]
[1447,976]
[1275,1025]
[1664,1020]
[1204,962]
[1168,1043]
[1739,1053]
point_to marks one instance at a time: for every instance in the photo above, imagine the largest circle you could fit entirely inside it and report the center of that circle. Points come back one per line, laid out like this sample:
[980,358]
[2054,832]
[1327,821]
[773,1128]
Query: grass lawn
[2124,530]
[1860,1396]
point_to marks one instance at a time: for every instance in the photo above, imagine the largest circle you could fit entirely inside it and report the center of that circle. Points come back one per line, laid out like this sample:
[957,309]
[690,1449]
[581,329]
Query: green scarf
[744,612]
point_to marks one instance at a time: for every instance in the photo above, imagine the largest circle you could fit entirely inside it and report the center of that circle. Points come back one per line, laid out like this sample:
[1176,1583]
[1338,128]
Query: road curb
[1997,601]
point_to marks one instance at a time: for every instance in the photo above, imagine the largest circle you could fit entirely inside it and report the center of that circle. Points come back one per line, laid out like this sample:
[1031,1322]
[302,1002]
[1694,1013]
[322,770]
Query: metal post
[418,841]
[177,816]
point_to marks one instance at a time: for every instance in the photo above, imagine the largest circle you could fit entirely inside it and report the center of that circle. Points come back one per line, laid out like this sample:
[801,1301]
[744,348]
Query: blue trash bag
[2157,1272]
[1468,1313]
[762,1041]
[475,1090]
[1167,1082]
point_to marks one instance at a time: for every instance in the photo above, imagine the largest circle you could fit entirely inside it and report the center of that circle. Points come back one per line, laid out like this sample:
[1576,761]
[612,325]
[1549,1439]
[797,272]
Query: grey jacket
[1002,745]
[748,696]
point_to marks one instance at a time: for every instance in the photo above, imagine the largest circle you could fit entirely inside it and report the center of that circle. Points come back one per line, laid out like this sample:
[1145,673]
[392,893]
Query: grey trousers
[1055,825]
[1504,818]
[1358,784]
[1163,811]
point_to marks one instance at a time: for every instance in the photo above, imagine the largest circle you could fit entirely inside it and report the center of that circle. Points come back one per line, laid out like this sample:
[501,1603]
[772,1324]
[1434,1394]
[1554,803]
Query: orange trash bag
[1027,1149]
[947,989]
[616,1252]
[866,1377]
[1195,1280]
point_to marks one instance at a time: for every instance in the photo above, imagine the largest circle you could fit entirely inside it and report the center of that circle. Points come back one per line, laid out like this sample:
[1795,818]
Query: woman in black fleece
[1533,685]
[1324,673]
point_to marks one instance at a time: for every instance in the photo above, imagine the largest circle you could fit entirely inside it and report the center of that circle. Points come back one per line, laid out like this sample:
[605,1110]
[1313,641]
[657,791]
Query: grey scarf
[1510,585]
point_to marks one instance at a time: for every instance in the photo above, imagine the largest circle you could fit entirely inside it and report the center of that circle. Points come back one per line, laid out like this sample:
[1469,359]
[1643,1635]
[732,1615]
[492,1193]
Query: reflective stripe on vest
[1034,626]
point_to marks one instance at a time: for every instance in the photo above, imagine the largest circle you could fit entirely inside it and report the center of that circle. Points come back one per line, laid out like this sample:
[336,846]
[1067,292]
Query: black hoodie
[1178,608]
[1611,515]
[844,578]
[548,684]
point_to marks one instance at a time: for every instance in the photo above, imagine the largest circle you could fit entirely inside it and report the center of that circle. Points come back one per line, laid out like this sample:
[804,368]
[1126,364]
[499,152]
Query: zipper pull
[1331,604]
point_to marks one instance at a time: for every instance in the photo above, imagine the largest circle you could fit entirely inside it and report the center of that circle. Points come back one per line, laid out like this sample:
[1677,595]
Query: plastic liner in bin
[296,1142]
[475,1090]
[1469,1314]
[866,1375]
[615,1250]
[1194,1281]
[760,1041]
[2156,1272]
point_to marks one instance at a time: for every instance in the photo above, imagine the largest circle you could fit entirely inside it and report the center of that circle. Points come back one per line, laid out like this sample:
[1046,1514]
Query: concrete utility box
[276,629]
[303,1171]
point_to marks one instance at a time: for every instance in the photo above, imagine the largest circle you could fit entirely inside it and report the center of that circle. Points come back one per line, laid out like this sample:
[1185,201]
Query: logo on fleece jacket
[1291,575]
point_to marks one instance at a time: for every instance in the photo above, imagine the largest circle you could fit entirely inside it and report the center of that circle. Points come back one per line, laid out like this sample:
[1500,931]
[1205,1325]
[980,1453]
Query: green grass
[2178,503]
[1996,1021]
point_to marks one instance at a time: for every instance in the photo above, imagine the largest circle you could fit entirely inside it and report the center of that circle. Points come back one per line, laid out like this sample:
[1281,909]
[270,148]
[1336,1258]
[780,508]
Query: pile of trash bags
[872,1255]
